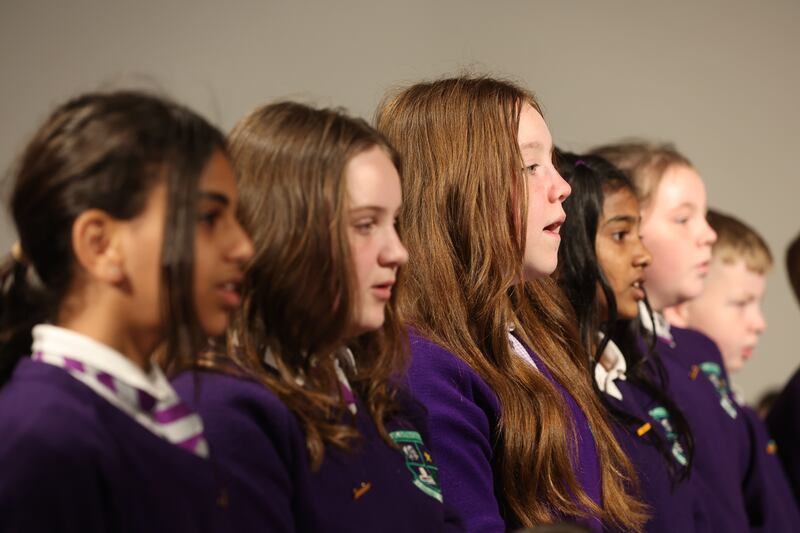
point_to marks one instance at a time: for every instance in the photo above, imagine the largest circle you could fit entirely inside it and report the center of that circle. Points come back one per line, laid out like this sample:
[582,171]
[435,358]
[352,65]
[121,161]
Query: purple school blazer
[784,426]
[739,492]
[464,414]
[674,505]
[770,502]
[70,461]
[260,448]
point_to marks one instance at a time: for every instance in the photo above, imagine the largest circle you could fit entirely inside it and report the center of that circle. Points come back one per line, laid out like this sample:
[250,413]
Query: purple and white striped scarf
[147,398]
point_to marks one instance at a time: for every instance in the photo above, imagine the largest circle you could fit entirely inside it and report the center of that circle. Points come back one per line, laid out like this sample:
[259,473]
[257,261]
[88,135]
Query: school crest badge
[419,462]
[661,415]
[714,374]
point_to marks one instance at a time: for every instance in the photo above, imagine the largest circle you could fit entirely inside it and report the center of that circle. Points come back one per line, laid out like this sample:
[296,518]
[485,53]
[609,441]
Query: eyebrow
[535,145]
[622,218]
[215,197]
[373,208]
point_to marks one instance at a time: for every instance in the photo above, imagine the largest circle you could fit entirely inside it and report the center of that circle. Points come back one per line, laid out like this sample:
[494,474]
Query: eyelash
[619,235]
[530,169]
[209,218]
[365,227]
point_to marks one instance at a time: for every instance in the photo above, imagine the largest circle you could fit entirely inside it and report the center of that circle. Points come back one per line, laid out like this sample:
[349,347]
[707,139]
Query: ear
[95,243]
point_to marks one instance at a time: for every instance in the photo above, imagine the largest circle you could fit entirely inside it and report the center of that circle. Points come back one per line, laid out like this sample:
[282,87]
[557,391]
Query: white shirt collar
[57,341]
[611,367]
[518,348]
[658,324]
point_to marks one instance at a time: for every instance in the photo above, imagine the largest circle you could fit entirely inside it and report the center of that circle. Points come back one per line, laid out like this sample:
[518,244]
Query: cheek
[207,265]
[364,258]
[609,268]
[536,204]
[660,249]
[145,274]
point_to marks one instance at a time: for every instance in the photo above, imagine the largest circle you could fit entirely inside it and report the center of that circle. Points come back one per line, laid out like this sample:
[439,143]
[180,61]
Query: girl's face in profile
[221,249]
[546,191]
[620,253]
[675,230]
[374,197]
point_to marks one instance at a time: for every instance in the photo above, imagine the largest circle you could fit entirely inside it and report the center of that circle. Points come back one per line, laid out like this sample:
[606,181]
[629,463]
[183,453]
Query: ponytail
[23,304]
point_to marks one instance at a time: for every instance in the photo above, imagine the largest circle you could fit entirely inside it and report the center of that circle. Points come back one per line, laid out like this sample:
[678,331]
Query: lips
[637,287]
[703,266]
[747,352]
[383,291]
[555,226]
[230,293]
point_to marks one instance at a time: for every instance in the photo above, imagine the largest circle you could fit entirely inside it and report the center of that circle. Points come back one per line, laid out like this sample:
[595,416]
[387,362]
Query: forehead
[372,180]
[621,202]
[218,175]
[533,134]
[736,277]
[680,185]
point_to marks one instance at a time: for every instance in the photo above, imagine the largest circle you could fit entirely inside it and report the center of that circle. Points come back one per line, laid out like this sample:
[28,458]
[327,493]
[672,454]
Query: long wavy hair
[103,151]
[580,275]
[463,221]
[299,291]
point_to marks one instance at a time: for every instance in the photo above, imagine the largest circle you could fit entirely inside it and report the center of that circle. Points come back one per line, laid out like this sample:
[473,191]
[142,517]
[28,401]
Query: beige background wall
[720,78]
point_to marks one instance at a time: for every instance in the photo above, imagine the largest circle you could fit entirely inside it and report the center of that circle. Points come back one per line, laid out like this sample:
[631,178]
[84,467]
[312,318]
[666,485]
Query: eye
[209,218]
[531,169]
[682,220]
[365,226]
[619,235]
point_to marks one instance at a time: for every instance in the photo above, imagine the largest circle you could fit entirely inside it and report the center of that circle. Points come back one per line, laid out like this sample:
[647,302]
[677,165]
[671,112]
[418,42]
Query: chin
[215,328]
[534,272]
[689,294]
[734,366]
[367,324]
[628,312]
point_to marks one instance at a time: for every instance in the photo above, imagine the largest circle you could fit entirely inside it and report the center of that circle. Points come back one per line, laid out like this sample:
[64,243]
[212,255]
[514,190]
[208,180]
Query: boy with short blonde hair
[729,308]
[729,311]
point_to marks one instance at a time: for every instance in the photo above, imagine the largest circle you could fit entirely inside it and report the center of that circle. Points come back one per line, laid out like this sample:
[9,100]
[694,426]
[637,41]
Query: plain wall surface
[718,78]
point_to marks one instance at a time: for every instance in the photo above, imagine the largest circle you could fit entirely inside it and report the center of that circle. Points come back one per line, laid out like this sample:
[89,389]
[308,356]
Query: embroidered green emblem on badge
[714,375]
[419,462]
[661,415]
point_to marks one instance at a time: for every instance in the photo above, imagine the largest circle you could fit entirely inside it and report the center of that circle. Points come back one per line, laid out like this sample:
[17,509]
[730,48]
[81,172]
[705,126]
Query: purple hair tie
[580,162]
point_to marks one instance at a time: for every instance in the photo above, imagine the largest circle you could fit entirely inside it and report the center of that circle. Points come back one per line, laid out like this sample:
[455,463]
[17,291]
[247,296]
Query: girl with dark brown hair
[125,206]
[306,413]
[519,433]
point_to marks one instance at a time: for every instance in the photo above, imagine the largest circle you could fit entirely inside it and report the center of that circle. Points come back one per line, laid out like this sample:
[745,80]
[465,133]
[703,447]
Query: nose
[707,236]
[394,254]
[759,322]
[242,249]
[642,257]
[559,189]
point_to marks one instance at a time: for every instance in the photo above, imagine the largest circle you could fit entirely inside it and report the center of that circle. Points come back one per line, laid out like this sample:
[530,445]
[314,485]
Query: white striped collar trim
[148,398]
[658,324]
[611,367]
[54,340]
